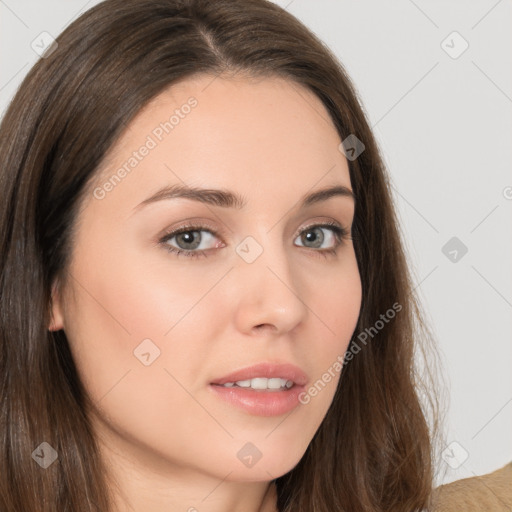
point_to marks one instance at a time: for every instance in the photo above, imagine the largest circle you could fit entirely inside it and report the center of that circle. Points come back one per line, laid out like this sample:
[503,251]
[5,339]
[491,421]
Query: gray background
[444,126]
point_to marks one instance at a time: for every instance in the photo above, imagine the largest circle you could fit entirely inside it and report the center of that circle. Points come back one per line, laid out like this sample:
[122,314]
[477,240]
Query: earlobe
[57,319]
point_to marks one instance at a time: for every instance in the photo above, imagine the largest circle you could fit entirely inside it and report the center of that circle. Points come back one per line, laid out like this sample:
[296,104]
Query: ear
[57,319]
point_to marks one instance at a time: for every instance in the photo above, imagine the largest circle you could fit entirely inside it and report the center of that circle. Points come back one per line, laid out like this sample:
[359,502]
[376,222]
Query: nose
[267,294]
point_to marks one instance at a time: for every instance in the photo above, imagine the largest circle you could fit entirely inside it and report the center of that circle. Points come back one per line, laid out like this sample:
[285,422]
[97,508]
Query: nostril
[261,327]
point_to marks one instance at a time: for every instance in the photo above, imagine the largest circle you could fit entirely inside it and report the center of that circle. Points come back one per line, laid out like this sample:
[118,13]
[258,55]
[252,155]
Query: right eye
[189,241]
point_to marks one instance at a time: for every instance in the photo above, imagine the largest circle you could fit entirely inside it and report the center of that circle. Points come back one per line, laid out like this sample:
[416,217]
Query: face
[173,296]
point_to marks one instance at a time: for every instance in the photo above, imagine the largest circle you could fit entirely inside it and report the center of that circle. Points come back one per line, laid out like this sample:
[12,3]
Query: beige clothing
[490,492]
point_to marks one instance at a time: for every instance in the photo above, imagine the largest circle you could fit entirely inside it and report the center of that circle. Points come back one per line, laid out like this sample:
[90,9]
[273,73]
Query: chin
[253,465]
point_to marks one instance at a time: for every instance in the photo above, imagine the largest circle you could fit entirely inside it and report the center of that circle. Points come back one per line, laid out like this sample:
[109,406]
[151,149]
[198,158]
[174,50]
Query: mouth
[264,389]
[261,384]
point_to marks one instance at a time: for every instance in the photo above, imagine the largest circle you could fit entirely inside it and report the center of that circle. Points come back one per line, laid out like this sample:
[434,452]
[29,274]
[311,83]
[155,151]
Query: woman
[205,300]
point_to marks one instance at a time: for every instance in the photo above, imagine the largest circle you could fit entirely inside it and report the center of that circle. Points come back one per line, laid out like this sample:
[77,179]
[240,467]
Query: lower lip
[260,403]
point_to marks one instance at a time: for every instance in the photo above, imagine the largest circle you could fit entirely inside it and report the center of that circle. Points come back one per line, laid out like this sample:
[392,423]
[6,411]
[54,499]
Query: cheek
[334,300]
[126,305]
[339,304]
[126,308]
[335,311]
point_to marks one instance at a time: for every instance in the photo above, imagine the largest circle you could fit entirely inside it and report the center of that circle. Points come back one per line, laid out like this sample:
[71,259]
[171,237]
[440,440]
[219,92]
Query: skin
[169,442]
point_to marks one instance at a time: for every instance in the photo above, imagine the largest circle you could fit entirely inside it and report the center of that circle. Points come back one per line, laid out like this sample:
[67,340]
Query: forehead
[253,135]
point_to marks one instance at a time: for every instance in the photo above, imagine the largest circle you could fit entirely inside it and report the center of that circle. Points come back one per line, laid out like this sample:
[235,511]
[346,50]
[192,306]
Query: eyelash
[340,234]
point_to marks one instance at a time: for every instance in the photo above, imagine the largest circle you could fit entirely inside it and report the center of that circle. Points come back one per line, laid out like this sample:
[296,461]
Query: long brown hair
[375,449]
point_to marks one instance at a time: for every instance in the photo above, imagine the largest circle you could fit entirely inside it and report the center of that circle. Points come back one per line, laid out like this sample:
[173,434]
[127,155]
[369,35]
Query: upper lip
[268,370]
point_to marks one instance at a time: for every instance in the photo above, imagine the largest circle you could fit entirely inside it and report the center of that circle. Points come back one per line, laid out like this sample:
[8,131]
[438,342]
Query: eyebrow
[228,199]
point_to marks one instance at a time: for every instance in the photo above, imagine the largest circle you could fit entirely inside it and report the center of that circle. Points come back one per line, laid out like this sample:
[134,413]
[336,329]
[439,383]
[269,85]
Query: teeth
[259,383]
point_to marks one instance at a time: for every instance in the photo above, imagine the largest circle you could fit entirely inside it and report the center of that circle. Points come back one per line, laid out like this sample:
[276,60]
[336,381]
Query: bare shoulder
[490,492]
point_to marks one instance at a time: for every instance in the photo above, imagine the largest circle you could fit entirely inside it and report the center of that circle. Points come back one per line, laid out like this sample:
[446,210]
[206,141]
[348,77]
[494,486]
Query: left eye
[315,236]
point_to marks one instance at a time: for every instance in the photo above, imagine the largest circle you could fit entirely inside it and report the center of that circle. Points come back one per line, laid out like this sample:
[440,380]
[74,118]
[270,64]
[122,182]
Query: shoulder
[490,492]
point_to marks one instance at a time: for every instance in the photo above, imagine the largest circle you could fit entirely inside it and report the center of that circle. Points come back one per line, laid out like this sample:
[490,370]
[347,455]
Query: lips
[265,370]
[262,402]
